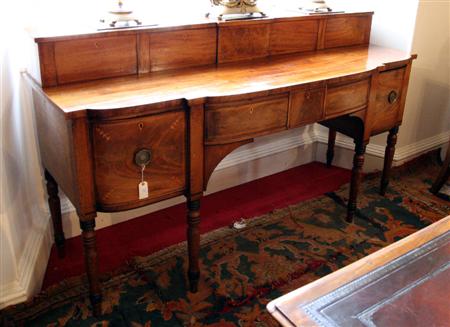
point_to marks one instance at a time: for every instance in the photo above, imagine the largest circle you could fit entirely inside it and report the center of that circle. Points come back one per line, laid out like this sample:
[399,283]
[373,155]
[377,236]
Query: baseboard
[12,293]
[402,154]
[413,150]
[32,264]
[264,149]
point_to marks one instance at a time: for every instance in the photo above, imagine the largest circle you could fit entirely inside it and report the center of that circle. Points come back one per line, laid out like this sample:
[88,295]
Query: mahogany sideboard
[180,98]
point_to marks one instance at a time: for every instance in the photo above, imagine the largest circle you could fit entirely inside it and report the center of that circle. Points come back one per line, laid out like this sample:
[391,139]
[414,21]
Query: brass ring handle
[392,97]
[143,157]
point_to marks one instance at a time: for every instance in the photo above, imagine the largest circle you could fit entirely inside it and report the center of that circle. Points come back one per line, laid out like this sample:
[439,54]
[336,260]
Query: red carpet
[144,235]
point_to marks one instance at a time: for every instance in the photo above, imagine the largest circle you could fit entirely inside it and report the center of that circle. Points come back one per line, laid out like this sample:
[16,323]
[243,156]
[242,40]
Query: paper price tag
[143,190]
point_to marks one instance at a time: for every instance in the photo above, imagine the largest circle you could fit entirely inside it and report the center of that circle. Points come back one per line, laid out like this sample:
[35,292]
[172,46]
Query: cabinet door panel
[347,31]
[245,42]
[388,100]
[295,36]
[115,145]
[95,58]
[181,49]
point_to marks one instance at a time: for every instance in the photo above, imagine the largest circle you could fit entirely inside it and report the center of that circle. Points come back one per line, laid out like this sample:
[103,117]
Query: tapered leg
[330,149]
[388,157]
[444,174]
[55,212]
[193,238]
[87,225]
[358,162]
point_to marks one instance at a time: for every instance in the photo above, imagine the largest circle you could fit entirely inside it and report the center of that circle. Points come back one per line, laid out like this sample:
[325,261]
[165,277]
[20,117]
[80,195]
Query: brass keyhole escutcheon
[392,97]
[141,126]
[143,157]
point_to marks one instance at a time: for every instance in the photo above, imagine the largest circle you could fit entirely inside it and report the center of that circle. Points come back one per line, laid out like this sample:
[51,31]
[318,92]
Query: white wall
[24,221]
[427,33]
[24,225]
[428,103]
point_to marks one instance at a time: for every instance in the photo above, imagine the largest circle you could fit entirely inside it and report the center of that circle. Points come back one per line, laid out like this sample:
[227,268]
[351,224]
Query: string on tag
[142,173]
[143,185]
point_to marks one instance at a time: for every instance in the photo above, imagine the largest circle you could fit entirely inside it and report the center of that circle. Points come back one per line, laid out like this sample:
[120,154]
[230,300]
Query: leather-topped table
[405,284]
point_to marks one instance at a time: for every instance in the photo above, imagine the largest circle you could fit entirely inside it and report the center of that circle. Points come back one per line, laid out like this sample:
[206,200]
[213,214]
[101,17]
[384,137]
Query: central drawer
[115,145]
[346,97]
[241,120]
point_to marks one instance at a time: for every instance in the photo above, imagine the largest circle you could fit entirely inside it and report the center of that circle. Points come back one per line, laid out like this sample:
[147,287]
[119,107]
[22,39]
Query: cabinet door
[117,176]
[388,100]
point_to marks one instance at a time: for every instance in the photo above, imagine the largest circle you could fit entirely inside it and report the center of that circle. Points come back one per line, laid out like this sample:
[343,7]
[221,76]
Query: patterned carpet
[243,270]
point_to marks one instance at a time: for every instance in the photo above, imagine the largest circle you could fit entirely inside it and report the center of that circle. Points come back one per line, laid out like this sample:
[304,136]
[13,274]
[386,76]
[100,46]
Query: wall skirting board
[402,154]
[32,264]
[266,156]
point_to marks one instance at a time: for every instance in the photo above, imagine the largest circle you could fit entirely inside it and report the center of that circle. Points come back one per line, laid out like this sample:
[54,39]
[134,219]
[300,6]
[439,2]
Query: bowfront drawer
[240,120]
[388,100]
[115,145]
[346,97]
[306,107]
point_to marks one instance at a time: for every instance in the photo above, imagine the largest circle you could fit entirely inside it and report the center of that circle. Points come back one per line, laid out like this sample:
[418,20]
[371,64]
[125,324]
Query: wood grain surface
[237,78]
[182,48]
[236,121]
[386,114]
[88,59]
[307,106]
[115,145]
[98,55]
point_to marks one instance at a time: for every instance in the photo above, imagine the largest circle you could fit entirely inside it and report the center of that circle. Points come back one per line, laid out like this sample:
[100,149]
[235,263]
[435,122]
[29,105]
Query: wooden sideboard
[183,97]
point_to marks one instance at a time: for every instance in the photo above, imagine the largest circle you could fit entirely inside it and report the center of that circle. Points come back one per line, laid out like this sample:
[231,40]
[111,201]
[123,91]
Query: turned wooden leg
[444,174]
[193,238]
[358,162]
[388,157]
[87,225]
[330,149]
[55,212]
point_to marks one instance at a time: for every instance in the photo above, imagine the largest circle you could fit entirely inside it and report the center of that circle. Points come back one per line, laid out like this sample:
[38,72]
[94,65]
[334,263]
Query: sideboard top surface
[234,79]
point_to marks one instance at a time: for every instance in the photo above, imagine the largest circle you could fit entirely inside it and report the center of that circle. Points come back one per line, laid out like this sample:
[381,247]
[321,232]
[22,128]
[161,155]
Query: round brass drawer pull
[143,157]
[392,97]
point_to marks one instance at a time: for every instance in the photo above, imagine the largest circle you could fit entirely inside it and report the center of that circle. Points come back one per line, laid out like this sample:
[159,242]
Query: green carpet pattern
[242,270]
